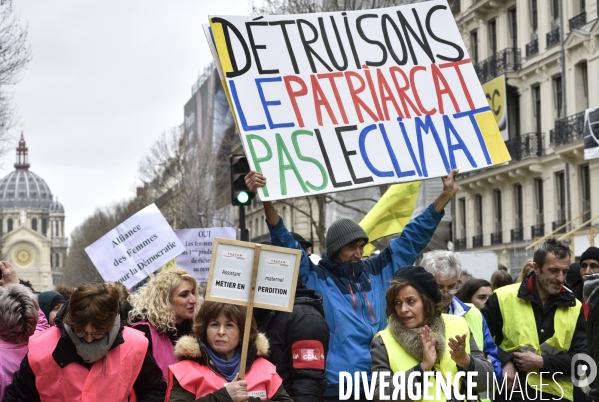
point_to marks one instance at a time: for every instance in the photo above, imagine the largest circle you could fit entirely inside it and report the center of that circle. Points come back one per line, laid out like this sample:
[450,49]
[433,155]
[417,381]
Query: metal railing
[578,21]
[460,244]
[517,234]
[567,130]
[537,230]
[553,37]
[525,146]
[454,6]
[496,238]
[477,241]
[532,48]
[506,61]
[557,224]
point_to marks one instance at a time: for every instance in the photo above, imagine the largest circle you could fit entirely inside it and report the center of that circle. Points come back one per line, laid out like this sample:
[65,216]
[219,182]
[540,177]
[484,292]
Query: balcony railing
[506,61]
[532,48]
[454,6]
[578,21]
[553,37]
[517,234]
[496,238]
[568,130]
[557,224]
[460,244]
[525,146]
[537,230]
[477,241]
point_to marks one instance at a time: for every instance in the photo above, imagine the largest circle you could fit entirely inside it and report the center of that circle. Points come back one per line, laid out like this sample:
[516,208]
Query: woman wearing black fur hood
[420,339]
[212,358]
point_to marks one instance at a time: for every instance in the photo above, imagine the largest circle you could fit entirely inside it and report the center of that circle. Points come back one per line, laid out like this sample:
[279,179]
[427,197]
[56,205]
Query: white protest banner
[198,249]
[591,133]
[239,266]
[336,101]
[136,248]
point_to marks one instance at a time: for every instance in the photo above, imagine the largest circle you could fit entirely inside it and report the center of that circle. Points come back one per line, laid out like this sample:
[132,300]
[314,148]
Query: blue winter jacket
[354,293]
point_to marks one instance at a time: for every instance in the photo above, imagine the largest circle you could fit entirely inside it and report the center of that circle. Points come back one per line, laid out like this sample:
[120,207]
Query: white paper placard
[230,278]
[134,249]
[198,249]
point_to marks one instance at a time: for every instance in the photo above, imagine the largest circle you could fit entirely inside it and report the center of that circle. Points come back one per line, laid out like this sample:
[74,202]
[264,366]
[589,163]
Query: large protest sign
[136,248]
[334,101]
[198,249]
[591,133]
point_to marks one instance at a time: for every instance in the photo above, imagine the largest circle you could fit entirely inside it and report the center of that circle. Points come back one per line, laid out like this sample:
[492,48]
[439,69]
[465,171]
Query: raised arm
[253,180]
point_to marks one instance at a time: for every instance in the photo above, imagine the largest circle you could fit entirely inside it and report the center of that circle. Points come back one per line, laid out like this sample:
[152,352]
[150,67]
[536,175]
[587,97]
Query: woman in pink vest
[163,310]
[88,356]
[210,360]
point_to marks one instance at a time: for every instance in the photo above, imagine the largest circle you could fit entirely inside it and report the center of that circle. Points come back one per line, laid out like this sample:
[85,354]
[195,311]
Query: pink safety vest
[162,349]
[110,379]
[262,379]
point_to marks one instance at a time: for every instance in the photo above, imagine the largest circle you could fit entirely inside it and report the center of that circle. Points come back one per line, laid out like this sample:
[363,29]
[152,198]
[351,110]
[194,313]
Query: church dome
[56,206]
[23,189]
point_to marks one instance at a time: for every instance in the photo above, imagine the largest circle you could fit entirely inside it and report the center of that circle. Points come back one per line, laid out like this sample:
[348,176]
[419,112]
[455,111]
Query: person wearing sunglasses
[89,354]
[447,268]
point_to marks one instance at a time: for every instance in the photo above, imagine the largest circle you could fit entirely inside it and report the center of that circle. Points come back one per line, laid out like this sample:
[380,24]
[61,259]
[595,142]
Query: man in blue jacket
[353,290]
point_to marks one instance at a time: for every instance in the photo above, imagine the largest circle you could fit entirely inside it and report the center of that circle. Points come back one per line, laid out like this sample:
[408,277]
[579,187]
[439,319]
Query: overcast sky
[106,79]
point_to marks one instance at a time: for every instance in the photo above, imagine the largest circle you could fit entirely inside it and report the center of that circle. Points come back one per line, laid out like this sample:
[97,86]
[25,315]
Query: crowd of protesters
[399,311]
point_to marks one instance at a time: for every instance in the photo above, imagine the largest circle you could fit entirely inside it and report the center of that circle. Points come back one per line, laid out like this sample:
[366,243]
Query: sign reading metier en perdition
[337,101]
[230,278]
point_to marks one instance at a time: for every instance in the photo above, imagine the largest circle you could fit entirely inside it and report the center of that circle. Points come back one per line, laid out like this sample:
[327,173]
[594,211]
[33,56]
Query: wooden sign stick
[249,315]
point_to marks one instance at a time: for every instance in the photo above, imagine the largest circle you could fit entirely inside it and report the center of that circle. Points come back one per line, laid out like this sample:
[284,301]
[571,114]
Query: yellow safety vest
[475,322]
[516,335]
[400,360]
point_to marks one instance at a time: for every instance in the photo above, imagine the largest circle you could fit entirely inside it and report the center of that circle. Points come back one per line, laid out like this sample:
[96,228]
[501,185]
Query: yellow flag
[391,213]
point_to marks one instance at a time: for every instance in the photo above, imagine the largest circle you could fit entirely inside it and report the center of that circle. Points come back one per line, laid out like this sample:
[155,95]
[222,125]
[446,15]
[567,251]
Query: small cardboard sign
[198,249]
[234,262]
[136,248]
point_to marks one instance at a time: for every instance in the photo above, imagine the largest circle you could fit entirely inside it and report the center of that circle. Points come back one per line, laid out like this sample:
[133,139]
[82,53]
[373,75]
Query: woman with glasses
[163,310]
[88,355]
[418,338]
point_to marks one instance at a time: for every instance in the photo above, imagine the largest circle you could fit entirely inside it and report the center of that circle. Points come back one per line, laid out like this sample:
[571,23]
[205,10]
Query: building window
[9,225]
[44,227]
[478,200]
[512,19]
[493,37]
[462,209]
[498,209]
[557,96]
[560,197]
[536,106]
[534,19]
[518,207]
[474,46]
[582,87]
[57,263]
[585,187]
[34,224]
[539,203]
[555,12]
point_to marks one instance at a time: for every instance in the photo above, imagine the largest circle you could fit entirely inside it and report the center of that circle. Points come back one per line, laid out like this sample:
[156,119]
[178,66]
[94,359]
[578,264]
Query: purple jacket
[12,355]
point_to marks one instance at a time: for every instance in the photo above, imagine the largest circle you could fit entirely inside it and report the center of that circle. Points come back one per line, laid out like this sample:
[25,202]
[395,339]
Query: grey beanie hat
[341,233]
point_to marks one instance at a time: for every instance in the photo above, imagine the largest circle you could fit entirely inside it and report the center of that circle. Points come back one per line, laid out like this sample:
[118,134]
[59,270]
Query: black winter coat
[284,331]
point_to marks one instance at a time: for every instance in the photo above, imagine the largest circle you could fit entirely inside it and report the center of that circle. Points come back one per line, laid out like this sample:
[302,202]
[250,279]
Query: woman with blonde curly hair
[163,310]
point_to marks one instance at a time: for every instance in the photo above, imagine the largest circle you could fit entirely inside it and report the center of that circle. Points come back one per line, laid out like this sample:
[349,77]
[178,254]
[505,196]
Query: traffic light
[240,195]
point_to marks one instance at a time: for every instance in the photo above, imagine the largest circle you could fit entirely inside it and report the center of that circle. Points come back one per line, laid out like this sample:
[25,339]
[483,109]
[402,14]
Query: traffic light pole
[245,234]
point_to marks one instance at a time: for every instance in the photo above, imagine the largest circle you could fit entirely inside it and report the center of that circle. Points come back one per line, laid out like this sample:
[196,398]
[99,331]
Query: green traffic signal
[243,197]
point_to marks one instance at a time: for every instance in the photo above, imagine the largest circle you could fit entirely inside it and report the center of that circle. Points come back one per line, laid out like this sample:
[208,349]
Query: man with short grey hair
[446,267]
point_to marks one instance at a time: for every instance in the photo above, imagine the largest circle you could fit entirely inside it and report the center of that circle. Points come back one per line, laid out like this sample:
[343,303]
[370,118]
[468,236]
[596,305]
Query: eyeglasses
[95,335]
[451,289]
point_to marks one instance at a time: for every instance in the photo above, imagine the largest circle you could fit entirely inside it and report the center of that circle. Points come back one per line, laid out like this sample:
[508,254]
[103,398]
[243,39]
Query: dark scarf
[227,368]
[409,339]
